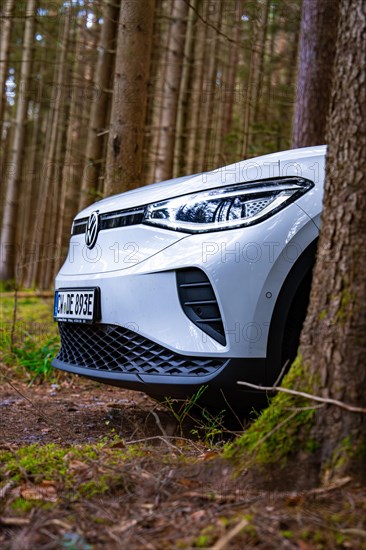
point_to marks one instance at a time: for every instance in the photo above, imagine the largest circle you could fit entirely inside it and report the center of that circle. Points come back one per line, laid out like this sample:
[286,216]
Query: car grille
[111,220]
[117,349]
[199,303]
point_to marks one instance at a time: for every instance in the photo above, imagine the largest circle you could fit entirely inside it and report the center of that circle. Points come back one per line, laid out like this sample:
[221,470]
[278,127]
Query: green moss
[23,506]
[279,430]
[311,445]
[35,462]
[51,462]
[348,450]
[287,534]
[347,298]
[202,541]
[95,487]
[322,315]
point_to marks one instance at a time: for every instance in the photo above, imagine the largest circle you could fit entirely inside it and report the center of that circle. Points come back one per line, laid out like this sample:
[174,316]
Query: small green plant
[36,357]
[209,426]
[28,337]
[181,410]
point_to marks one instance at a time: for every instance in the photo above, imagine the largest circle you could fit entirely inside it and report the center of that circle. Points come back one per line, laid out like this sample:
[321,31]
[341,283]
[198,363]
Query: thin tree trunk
[195,98]
[26,203]
[262,51]
[285,103]
[212,99]
[100,105]
[125,143]
[250,93]
[173,73]
[156,86]
[4,56]
[183,105]
[7,243]
[230,84]
[317,50]
[40,235]
[76,136]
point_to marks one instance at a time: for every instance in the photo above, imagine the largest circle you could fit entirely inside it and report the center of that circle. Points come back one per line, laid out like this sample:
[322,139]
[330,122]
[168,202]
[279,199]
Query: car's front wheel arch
[289,314]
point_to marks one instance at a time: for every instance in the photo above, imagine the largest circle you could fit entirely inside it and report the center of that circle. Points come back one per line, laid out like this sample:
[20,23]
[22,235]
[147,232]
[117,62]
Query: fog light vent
[199,303]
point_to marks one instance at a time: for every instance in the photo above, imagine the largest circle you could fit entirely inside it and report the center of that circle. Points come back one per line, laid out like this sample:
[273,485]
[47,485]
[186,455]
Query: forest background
[198,84]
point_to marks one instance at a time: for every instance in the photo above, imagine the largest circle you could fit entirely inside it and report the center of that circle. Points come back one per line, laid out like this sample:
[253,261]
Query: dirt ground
[176,493]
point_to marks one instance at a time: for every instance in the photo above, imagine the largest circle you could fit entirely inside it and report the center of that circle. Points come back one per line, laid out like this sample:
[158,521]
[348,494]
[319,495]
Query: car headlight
[226,207]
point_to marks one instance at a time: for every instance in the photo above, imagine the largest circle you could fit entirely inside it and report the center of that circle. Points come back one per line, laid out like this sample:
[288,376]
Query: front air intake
[199,303]
[102,347]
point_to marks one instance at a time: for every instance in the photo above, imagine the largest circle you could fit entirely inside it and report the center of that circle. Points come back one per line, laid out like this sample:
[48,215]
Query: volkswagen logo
[91,233]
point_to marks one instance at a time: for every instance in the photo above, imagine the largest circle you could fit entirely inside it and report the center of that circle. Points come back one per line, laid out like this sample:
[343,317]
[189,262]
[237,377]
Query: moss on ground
[76,472]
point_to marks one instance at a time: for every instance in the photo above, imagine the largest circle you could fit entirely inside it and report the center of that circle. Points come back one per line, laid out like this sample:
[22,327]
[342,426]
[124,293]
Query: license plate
[81,305]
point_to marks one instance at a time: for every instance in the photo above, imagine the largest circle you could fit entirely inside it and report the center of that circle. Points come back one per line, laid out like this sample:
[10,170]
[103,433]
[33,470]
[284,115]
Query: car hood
[266,166]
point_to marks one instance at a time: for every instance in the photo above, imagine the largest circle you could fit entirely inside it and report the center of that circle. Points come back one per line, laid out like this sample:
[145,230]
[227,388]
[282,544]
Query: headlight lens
[226,207]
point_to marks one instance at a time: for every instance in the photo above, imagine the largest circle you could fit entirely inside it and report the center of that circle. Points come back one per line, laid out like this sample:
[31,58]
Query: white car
[197,281]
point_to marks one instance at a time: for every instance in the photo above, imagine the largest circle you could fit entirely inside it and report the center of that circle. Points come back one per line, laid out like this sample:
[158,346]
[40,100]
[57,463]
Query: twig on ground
[326,400]
[222,543]
[6,489]
[158,423]
[161,438]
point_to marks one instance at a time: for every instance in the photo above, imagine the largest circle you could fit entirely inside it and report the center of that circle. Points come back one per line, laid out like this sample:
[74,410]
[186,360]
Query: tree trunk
[210,107]
[186,83]
[155,89]
[333,341]
[8,231]
[262,52]
[317,50]
[173,73]
[250,91]
[124,155]
[49,175]
[4,57]
[100,105]
[195,98]
[232,71]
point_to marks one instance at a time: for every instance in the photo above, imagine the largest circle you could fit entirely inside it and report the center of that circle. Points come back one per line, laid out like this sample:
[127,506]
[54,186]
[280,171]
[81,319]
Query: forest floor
[85,466]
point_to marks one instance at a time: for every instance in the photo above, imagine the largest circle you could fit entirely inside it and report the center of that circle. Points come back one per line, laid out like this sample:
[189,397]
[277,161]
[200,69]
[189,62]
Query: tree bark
[250,91]
[232,71]
[333,341]
[317,51]
[186,83]
[173,73]
[262,52]
[124,155]
[8,231]
[210,107]
[100,105]
[195,98]
[49,168]
[4,56]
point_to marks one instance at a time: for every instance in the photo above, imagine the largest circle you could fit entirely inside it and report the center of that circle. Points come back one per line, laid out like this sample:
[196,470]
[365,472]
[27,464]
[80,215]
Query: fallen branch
[222,543]
[326,400]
